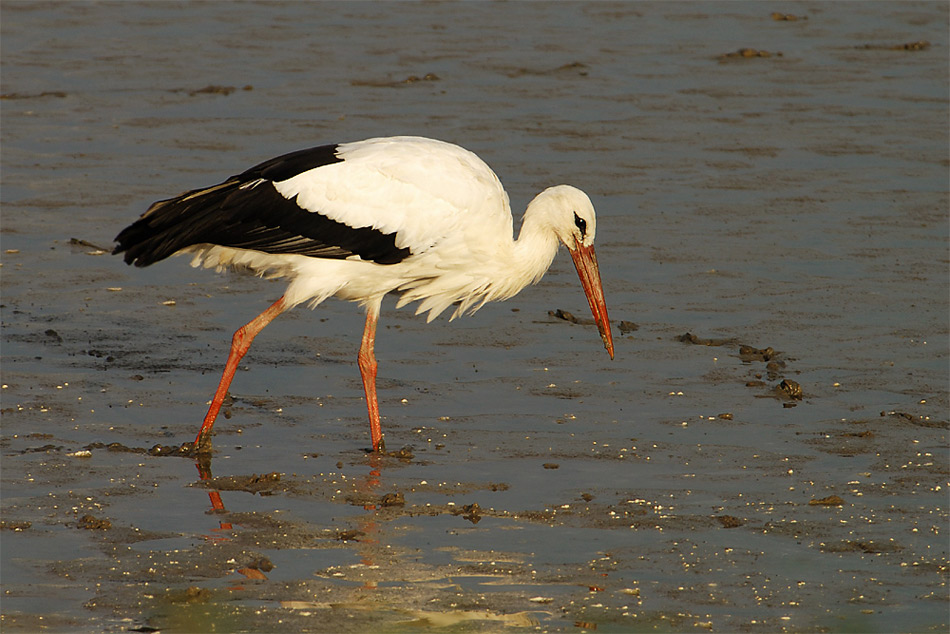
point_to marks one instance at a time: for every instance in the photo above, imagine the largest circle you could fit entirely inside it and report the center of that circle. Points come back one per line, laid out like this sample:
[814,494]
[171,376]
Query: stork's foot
[379,449]
[202,444]
[405,454]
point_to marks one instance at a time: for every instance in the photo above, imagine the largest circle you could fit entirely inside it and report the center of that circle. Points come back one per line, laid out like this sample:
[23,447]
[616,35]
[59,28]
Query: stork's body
[419,217]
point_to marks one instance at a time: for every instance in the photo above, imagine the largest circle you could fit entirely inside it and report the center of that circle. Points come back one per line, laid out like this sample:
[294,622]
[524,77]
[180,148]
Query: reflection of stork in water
[367,494]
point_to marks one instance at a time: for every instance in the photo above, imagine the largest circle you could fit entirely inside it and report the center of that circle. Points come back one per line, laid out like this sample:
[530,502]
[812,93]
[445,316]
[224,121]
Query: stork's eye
[581,224]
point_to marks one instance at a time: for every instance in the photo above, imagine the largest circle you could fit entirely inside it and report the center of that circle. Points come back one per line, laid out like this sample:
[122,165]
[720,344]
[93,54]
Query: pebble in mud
[564,315]
[189,595]
[471,512]
[748,353]
[791,389]
[53,335]
[728,521]
[411,79]
[262,563]
[831,500]
[919,45]
[700,341]
[48,448]
[859,546]
[264,484]
[787,17]
[91,523]
[210,89]
[392,499]
[774,368]
[628,326]
[170,450]
[252,573]
[746,53]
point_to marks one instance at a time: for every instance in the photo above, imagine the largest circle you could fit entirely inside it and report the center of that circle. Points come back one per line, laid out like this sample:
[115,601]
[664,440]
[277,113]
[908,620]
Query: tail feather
[172,224]
[202,215]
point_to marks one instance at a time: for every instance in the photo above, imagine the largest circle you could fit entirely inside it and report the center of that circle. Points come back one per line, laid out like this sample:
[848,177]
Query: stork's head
[568,212]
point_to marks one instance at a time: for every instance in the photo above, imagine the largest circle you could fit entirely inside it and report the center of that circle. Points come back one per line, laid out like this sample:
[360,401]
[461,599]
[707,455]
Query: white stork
[416,216]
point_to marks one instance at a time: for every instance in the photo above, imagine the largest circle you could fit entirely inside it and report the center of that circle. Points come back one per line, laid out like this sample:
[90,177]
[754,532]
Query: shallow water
[796,201]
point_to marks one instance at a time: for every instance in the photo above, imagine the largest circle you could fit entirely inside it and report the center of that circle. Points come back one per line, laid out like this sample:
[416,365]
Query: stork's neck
[532,253]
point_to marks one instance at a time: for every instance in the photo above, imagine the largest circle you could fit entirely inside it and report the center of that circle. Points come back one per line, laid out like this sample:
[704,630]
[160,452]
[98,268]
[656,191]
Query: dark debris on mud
[184,450]
[263,484]
[786,390]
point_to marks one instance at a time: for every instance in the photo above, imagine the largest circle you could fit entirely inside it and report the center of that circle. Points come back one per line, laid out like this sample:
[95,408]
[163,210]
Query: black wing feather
[247,212]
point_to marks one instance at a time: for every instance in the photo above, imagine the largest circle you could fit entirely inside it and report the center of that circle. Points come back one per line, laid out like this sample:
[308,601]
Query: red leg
[240,343]
[367,363]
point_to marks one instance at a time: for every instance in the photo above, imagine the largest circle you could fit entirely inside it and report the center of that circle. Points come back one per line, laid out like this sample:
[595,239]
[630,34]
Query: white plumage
[423,218]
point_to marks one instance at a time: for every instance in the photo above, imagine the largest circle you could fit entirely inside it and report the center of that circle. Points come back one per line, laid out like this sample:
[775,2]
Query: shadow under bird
[419,217]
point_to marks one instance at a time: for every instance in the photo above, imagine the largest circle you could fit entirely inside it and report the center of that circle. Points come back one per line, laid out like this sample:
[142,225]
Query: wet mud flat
[768,451]
[385,546]
[485,521]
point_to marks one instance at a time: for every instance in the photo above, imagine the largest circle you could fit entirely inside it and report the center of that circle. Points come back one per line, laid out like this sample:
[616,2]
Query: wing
[247,212]
[381,200]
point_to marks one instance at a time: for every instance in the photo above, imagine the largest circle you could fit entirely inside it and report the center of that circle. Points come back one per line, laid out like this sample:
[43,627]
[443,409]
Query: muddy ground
[767,452]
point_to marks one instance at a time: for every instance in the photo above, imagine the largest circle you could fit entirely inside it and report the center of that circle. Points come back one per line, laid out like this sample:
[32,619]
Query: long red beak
[585,260]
